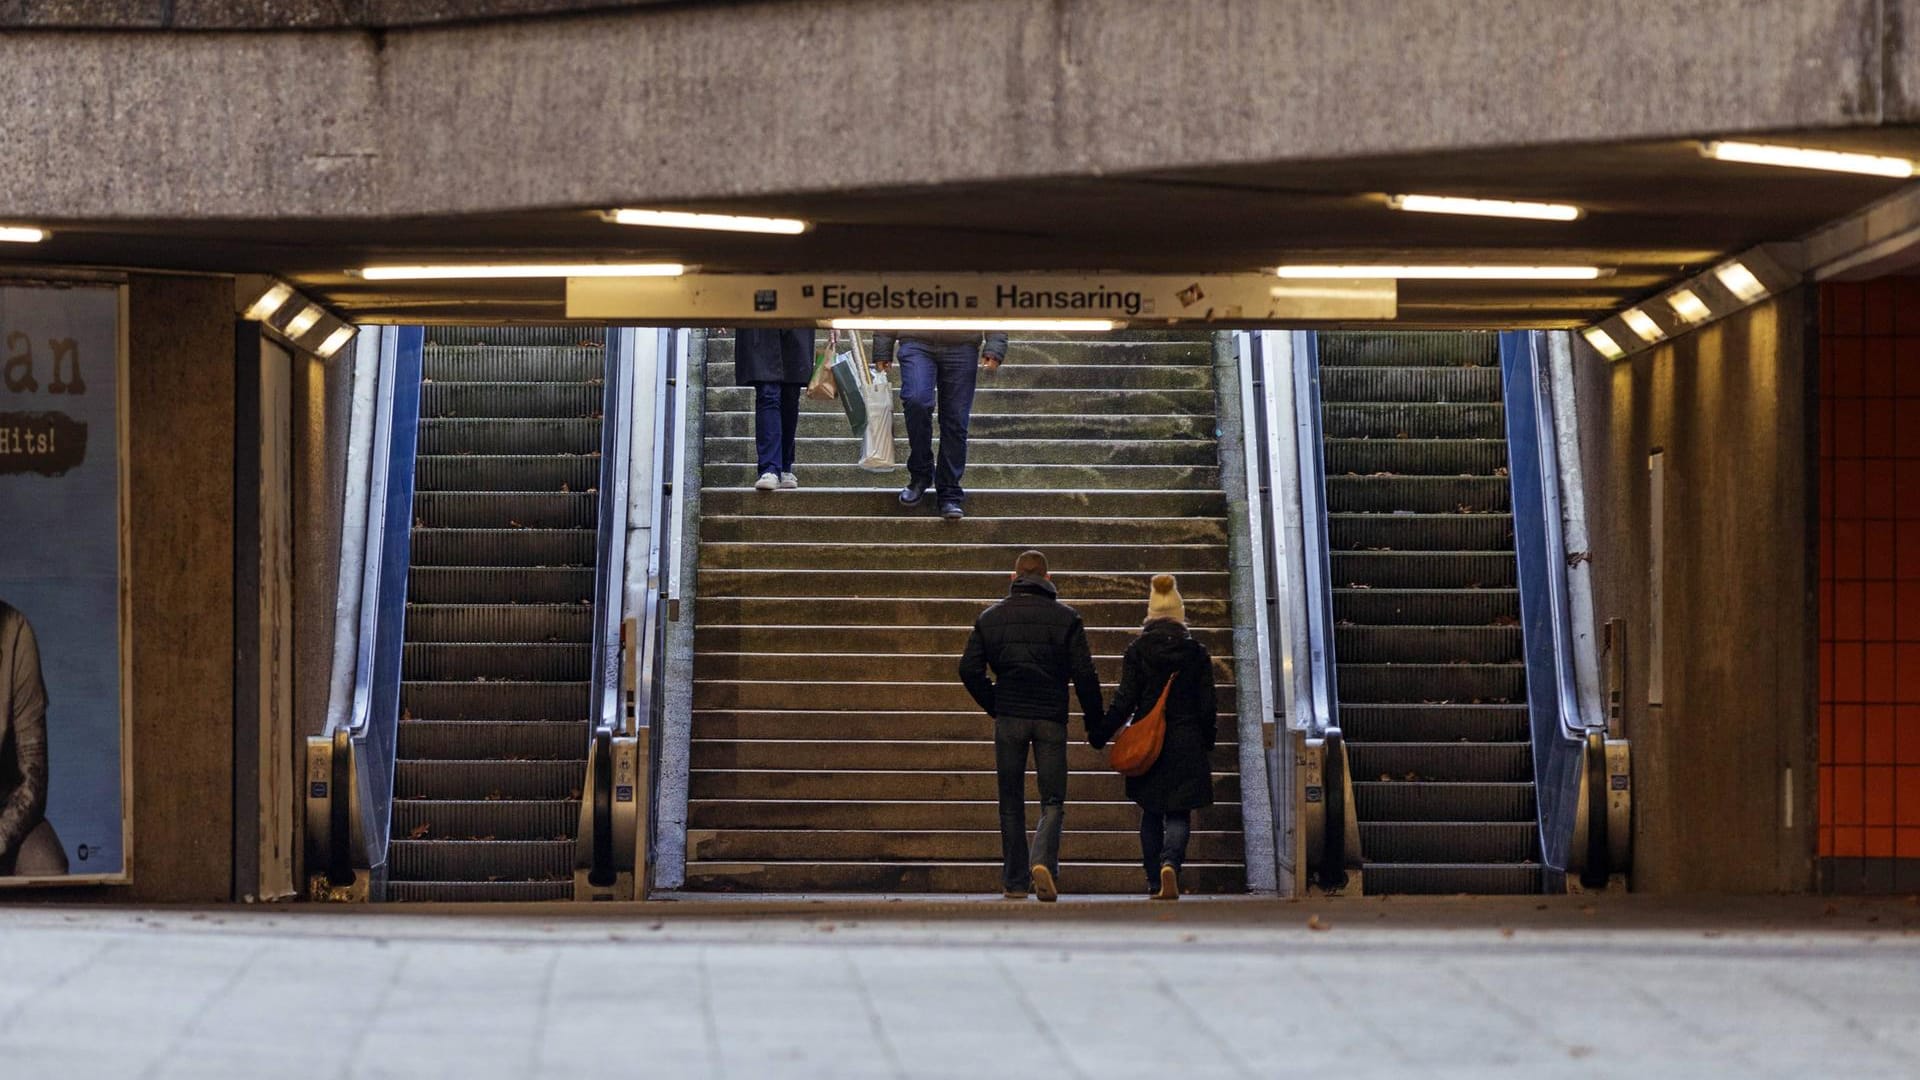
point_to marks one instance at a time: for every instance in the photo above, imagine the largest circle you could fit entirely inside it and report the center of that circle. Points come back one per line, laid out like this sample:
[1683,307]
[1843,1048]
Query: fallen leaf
[1506,931]
[1314,923]
[419,831]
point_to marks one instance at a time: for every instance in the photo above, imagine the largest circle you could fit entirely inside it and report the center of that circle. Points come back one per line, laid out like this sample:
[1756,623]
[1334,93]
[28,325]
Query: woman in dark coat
[777,364]
[1181,779]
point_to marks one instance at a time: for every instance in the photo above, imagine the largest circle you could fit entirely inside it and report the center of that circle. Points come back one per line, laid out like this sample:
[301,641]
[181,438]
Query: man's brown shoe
[1043,886]
[1169,884]
[1012,895]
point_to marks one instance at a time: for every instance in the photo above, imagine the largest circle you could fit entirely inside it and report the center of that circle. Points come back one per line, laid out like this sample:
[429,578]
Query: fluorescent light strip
[1603,341]
[1080,325]
[304,321]
[525,270]
[1499,208]
[22,234]
[1803,157]
[270,302]
[1688,305]
[1740,281]
[681,219]
[1446,273]
[340,336]
[1642,324]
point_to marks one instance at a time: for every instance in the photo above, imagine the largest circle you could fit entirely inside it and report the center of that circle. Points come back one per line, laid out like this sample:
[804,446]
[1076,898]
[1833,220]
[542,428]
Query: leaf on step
[1412,776]
[511,523]
[1383,474]
[1314,923]
[1402,435]
[1386,778]
[1505,620]
[419,831]
[566,487]
[1501,471]
[495,795]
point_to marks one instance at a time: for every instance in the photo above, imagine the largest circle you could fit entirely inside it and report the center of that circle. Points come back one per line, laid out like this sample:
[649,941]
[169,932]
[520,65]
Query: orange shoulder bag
[1137,747]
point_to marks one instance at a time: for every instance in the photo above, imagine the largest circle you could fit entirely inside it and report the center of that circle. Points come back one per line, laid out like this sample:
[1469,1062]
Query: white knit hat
[1165,602]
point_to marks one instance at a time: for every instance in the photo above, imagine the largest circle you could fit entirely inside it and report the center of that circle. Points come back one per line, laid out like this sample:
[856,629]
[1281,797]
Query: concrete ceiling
[1656,212]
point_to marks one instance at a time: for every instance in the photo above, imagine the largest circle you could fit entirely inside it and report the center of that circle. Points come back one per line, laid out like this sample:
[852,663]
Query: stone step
[1077,558]
[842,725]
[917,813]
[1152,348]
[711,638]
[875,785]
[894,611]
[956,844]
[1016,375]
[911,877]
[917,755]
[985,586]
[981,503]
[925,528]
[1019,477]
[885,666]
[990,398]
[1082,427]
[942,695]
[844,448]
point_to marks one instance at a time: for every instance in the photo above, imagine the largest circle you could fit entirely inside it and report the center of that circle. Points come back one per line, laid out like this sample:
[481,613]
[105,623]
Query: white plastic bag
[876,453]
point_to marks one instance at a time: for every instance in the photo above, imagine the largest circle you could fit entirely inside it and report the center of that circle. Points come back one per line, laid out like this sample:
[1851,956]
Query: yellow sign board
[1129,299]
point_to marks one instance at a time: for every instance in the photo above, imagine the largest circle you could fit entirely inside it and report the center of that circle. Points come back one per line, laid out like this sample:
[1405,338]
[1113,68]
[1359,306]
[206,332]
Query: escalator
[1431,677]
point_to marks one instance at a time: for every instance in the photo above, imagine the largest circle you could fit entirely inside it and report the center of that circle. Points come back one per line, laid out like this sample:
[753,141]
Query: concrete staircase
[493,732]
[834,749]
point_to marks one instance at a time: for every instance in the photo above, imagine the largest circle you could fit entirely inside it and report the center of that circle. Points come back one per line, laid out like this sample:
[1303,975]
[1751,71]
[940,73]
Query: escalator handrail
[610,543]
[1323,704]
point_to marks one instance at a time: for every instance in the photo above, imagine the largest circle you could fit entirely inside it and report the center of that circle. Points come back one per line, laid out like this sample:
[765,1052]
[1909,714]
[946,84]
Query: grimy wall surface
[1729,408]
[406,121]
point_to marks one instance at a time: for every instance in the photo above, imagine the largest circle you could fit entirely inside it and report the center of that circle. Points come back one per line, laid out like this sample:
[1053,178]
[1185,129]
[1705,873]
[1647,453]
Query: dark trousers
[943,375]
[1048,738]
[776,423]
[1163,841]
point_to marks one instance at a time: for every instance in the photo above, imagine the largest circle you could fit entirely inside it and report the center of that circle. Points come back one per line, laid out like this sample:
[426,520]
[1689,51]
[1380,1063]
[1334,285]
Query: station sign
[1132,299]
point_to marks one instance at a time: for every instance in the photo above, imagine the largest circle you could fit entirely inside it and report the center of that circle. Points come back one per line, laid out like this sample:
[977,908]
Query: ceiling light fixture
[1804,157]
[682,219]
[1446,273]
[1076,325]
[1642,324]
[22,234]
[476,271]
[1740,281]
[270,302]
[340,336]
[304,321]
[1688,305]
[1603,341]
[1500,208]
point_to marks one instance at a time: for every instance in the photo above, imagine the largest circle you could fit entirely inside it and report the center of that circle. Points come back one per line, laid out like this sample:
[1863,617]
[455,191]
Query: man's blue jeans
[944,375]
[776,422]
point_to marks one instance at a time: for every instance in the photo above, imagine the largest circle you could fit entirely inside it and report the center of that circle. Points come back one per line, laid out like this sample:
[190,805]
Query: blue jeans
[948,372]
[776,422]
[1163,842]
[1011,739]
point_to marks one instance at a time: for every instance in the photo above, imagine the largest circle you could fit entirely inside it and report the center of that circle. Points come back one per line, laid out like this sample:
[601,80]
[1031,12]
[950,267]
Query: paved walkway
[746,990]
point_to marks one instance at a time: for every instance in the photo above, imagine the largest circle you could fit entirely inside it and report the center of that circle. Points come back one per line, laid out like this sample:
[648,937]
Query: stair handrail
[1558,725]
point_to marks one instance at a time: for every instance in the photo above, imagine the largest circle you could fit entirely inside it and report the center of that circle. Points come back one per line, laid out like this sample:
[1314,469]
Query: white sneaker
[767,482]
[789,482]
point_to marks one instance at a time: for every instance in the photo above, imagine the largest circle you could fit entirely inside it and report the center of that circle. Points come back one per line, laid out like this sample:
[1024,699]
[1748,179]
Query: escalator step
[515,363]
[503,472]
[1401,348]
[1498,762]
[503,547]
[500,585]
[1424,570]
[1432,385]
[510,436]
[443,662]
[1432,879]
[494,700]
[1434,683]
[1428,644]
[1449,842]
[471,400]
[542,336]
[1425,607]
[1418,494]
[1412,421]
[511,623]
[1420,532]
[496,510]
[1439,801]
[1434,723]
[1416,457]
[475,891]
[484,780]
[482,819]
[553,740]
[481,860]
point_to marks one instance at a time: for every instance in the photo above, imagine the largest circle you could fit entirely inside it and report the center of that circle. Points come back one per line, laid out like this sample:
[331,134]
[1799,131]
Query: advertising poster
[62,677]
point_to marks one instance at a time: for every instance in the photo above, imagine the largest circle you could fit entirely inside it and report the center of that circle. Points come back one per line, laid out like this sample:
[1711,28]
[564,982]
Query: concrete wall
[281,14]
[1730,406]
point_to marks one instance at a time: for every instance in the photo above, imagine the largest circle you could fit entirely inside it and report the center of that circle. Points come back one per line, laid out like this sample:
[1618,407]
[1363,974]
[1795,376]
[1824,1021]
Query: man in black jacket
[946,364]
[1034,645]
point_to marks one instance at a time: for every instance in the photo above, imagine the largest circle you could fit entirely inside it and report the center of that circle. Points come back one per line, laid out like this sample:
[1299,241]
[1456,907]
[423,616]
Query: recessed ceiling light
[1686,304]
[1603,341]
[304,321]
[1804,157]
[22,234]
[340,336]
[1740,281]
[520,270]
[1500,208]
[682,219]
[1080,325]
[1640,323]
[270,302]
[1445,273]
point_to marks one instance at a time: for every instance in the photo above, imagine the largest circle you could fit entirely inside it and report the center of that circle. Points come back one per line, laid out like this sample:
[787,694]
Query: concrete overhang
[1217,135]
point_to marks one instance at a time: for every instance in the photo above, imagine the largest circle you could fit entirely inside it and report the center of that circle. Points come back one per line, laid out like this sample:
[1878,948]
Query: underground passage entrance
[597,658]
